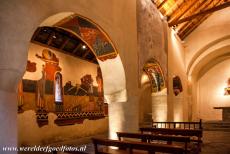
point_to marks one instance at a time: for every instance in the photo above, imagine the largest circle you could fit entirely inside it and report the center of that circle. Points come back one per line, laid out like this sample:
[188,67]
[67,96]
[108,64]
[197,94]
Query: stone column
[8,109]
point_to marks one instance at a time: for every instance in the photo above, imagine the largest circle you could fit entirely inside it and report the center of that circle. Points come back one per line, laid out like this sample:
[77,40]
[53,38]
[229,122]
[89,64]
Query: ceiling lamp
[83,47]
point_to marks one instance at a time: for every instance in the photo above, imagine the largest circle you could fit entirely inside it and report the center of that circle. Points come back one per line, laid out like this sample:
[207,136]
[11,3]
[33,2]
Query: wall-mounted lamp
[227,89]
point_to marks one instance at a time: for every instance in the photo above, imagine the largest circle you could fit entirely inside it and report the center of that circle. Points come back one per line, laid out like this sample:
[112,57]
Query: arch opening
[201,71]
[54,47]
[153,99]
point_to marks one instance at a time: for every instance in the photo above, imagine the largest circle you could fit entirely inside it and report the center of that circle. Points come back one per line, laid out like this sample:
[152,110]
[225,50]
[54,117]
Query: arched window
[58,88]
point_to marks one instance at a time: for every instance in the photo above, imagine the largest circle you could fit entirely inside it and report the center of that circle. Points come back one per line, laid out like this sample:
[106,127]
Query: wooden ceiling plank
[174,16]
[51,37]
[62,51]
[194,27]
[199,20]
[176,6]
[161,4]
[86,53]
[194,8]
[77,48]
[185,26]
[64,44]
[216,8]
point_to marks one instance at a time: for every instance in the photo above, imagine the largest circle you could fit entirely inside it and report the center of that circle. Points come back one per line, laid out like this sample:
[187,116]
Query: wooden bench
[150,137]
[198,133]
[131,147]
[181,125]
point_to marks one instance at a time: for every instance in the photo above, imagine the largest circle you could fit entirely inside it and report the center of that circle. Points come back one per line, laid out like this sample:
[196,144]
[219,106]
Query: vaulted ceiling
[63,41]
[186,15]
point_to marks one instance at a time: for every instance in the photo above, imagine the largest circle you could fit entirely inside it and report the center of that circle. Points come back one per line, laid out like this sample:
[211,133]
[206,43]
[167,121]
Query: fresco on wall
[91,33]
[177,85]
[154,72]
[227,89]
[72,103]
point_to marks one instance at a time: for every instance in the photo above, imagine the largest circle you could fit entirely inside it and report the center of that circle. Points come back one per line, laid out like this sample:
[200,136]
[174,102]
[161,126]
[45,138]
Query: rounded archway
[201,69]
[89,42]
[153,99]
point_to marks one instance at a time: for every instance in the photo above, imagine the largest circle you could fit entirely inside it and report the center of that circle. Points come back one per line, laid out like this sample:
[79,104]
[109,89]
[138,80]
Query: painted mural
[92,35]
[154,72]
[177,85]
[72,103]
[227,89]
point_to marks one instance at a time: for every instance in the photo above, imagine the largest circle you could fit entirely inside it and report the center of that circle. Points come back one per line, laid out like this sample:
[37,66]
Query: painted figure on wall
[155,74]
[58,98]
[40,95]
[72,103]
[177,85]
[51,64]
[99,79]
[227,89]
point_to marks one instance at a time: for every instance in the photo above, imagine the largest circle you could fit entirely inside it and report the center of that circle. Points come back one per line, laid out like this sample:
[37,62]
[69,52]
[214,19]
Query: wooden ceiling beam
[187,5]
[64,44]
[190,26]
[219,7]
[50,38]
[194,7]
[194,27]
[186,25]
[161,4]
[86,53]
[62,51]
[77,48]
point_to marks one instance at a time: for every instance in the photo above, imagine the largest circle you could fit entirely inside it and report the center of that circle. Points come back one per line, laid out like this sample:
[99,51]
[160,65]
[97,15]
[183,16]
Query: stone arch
[101,45]
[154,71]
[210,56]
[223,41]
[153,99]
[113,81]
[13,61]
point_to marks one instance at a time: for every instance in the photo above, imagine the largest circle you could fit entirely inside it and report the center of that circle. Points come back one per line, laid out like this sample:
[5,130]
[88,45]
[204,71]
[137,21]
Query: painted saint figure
[58,87]
[41,91]
[58,98]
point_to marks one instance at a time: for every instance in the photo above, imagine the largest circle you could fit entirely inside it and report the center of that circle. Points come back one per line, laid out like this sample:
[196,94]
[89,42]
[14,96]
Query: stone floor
[214,142]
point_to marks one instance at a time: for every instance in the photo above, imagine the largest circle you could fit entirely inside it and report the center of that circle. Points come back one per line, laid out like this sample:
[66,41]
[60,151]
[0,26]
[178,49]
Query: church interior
[115,76]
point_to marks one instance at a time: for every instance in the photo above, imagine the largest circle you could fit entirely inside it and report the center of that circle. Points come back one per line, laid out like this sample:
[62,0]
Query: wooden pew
[181,125]
[198,133]
[149,137]
[134,147]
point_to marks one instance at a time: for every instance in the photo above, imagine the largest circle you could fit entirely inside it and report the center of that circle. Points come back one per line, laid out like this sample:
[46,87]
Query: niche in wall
[177,85]
[155,74]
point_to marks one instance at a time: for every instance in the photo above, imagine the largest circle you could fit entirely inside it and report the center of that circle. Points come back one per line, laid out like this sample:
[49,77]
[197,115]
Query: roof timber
[187,24]
[219,7]
[186,15]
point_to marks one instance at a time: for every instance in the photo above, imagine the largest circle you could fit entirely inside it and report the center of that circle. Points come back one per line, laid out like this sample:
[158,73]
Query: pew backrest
[149,137]
[181,125]
[130,146]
